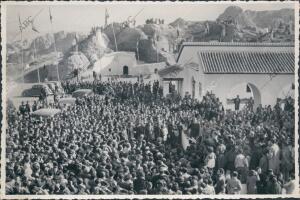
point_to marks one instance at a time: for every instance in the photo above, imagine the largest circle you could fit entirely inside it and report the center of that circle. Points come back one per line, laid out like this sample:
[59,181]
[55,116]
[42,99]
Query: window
[248,89]
[125,70]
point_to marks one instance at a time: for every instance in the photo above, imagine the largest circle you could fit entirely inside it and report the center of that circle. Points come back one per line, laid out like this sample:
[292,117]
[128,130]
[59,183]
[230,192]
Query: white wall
[115,61]
[186,86]
[222,85]
[228,85]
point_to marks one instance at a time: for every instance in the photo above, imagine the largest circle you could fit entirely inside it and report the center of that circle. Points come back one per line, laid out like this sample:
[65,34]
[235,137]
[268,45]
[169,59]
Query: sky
[82,16]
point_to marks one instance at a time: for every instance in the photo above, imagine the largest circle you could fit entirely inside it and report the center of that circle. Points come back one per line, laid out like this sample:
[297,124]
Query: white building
[116,63]
[263,71]
[124,63]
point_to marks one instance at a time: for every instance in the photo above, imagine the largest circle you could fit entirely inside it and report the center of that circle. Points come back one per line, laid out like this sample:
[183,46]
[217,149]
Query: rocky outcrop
[232,12]
[237,25]
[126,38]
[77,61]
[265,19]
[94,46]
[41,45]
[179,22]
[154,42]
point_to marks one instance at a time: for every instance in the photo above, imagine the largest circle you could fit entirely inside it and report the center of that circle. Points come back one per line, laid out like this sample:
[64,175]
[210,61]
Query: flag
[76,39]
[50,15]
[33,27]
[106,16]
[20,24]
[106,13]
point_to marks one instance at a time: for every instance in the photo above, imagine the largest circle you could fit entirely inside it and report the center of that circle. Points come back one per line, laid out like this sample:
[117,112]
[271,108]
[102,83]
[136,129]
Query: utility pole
[114,36]
[38,69]
[22,59]
[106,17]
[54,44]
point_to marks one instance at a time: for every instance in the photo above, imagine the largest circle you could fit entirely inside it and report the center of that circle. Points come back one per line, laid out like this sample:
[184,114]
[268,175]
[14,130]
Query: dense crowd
[129,139]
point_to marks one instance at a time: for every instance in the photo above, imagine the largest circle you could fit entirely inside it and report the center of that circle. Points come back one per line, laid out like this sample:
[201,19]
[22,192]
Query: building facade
[263,71]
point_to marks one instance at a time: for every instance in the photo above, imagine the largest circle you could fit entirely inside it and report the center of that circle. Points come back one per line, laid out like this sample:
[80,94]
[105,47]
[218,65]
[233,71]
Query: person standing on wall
[251,104]
[237,102]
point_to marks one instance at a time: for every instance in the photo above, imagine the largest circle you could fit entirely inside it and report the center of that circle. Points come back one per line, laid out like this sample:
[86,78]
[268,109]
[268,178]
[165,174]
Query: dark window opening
[125,70]
[248,89]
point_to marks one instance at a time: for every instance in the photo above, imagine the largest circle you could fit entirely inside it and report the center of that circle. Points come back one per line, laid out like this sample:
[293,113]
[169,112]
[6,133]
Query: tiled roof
[239,57]
[247,62]
[243,44]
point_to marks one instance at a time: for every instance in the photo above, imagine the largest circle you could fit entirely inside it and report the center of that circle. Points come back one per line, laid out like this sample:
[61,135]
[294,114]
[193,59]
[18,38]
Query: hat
[235,174]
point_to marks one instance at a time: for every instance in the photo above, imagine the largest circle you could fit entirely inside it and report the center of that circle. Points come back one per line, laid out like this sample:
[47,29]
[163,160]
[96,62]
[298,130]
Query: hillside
[141,39]
[234,24]
[158,42]
[43,45]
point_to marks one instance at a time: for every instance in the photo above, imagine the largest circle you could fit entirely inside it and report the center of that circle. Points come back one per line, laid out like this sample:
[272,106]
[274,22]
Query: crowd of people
[128,138]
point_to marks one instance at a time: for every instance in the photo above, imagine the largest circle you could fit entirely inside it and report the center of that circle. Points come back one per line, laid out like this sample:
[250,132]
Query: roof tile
[247,62]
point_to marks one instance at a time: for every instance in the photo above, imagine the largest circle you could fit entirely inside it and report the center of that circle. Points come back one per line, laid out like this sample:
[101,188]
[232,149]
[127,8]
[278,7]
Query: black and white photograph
[149,98]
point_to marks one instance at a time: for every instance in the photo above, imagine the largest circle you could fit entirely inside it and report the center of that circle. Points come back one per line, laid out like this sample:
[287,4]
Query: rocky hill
[235,24]
[156,41]
[41,45]
[152,41]
[231,12]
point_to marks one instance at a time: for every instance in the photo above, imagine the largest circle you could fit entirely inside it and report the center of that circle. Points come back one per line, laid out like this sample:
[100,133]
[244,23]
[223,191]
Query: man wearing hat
[220,186]
[234,185]
[252,180]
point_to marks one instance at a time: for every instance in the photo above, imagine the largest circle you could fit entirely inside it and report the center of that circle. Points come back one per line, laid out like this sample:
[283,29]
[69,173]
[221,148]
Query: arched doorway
[245,92]
[256,95]
[125,70]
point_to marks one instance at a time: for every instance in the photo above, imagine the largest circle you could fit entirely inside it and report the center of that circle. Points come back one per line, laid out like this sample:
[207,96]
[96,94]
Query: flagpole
[106,17]
[38,70]
[22,59]
[156,52]
[114,36]
[54,45]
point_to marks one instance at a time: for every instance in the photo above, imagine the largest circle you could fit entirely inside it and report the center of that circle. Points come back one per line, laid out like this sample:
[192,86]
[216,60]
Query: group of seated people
[136,141]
